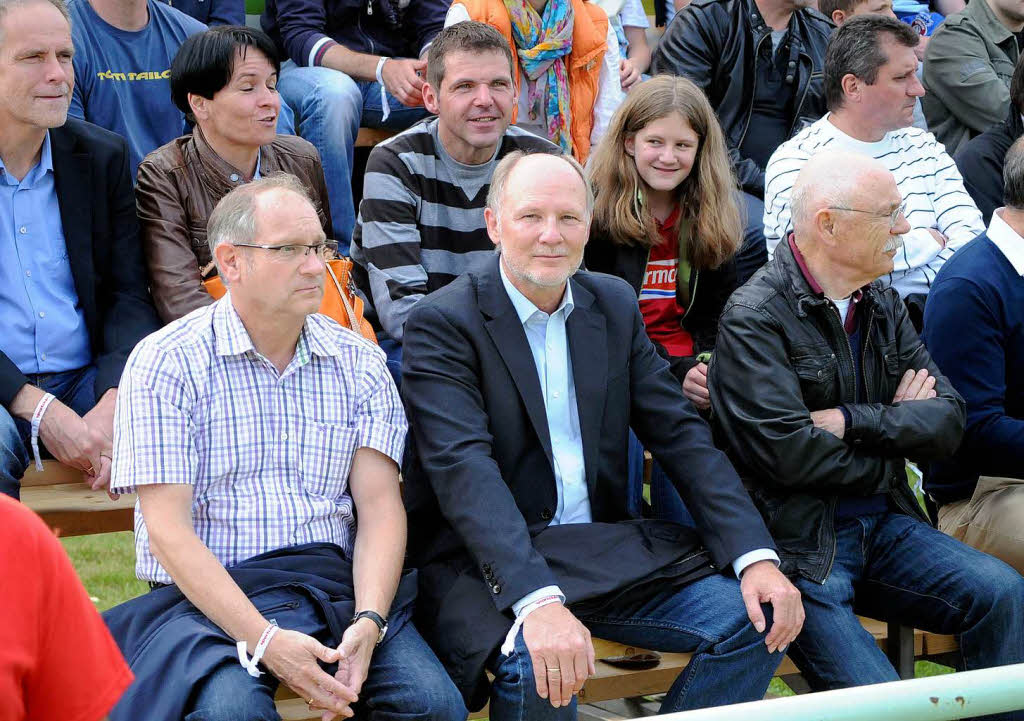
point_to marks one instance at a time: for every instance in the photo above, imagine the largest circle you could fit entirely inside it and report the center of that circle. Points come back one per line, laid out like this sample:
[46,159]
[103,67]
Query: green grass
[106,564]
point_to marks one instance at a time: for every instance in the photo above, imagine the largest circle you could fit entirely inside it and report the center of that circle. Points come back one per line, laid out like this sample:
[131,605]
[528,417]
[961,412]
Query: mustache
[894,243]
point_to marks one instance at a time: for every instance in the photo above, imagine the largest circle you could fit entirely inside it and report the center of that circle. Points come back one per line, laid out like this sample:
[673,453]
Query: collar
[989,24]
[525,307]
[849,322]
[670,221]
[1007,240]
[44,165]
[223,173]
[231,338]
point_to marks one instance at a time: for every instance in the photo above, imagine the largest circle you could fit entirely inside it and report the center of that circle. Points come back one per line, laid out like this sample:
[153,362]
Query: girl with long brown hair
[667,219]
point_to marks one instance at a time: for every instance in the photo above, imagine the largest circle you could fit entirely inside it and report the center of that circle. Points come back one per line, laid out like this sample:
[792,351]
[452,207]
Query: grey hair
[6,5]
[499,180]
[1013,176]
[234,218]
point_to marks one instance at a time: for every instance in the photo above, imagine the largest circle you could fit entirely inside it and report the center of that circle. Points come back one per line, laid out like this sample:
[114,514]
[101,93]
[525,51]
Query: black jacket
[715,44]
[97,210]
[980,161]
[482,493]
[708,290]
[782,353]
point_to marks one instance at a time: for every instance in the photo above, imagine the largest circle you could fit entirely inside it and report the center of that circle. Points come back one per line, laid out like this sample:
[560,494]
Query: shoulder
[755,300]
[454,302]
[973,262]
[296,149]
[106,149]
[611,291]
[408,148]
[175,20]
[518,139]
[167,158]
[816,23]
[343,340]
[162,351]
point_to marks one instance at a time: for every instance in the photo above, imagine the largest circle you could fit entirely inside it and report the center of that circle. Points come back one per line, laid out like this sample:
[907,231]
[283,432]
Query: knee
[239,707]
[442,702]
[334,95]
[1003,590]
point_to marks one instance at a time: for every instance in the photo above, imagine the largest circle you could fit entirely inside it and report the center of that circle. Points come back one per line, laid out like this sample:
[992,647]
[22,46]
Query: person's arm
[388,240]
[174,277]
[770,429]
[965,333]
[690,47]
[959,72]
[609,88]
[957,217]
[638,57]
[779,176]
[226,12]
[919,429]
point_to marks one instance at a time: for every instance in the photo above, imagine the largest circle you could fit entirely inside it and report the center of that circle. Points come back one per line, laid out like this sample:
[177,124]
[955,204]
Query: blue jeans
[731,663]
[393,349]
[75,389]
[406,681]
[329,108]
[892,567]
[666,504]
[754,251]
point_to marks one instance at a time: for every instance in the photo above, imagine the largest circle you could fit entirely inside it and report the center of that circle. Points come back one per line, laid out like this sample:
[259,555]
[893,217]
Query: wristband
[510,638]
[37,418]
[261,646]
[385,109]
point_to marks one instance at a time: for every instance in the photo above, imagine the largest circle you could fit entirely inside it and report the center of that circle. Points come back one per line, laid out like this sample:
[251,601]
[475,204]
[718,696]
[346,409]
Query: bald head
[835,179]
[527,167]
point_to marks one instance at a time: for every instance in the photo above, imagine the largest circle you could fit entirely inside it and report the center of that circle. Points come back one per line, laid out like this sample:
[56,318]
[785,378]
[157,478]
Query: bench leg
[901,649]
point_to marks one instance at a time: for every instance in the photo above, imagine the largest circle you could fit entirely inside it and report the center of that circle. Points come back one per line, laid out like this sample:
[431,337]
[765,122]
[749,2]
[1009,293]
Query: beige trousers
[992,520]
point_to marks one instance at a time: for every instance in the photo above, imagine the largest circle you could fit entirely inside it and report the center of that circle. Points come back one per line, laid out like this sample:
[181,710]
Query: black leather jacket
[714,43]
[781,354]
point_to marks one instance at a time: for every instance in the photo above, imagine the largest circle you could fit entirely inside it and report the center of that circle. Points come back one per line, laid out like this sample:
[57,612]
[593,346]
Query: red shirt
[658,302]
[58,661]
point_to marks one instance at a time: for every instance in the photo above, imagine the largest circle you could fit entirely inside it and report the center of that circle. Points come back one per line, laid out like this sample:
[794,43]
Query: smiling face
[541,226]
[474,104]
[890,99]
[664,151]
[242,114]
[36,75]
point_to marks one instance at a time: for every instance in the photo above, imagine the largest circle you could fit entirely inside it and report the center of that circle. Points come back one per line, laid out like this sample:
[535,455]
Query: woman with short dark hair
[225,81]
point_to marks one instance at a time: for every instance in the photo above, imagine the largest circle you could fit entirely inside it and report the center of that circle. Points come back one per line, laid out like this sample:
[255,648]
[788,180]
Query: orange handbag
[340,301]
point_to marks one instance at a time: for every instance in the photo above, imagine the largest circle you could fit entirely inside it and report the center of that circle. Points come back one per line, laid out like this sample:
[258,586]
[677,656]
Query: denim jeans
[329,109]
[731,663]
[393,349]
[753,253]
[892,567]
[406,681]
[76,389]
[666,504]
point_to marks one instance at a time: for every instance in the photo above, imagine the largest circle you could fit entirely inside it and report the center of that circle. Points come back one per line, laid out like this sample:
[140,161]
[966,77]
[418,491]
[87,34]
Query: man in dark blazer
[73,298]
[521,383]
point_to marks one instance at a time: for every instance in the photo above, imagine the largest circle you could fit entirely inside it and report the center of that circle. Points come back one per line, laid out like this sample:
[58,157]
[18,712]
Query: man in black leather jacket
[760,64]
[822,388]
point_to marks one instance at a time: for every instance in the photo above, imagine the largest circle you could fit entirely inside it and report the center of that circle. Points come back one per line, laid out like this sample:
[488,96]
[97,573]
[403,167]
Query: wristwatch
[382,623]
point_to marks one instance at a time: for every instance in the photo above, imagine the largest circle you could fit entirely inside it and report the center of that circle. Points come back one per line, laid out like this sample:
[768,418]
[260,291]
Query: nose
[901,227]
[312,263]
[550,233]
[269,98]
[482,96]
[915,89]
[57,71]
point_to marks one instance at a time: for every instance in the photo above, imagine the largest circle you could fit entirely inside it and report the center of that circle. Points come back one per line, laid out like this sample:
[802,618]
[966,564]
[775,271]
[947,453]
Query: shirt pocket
[326,458]
[817,375]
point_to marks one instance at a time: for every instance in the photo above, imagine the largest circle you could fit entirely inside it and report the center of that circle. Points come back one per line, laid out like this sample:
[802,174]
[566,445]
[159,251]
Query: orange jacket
[589,33]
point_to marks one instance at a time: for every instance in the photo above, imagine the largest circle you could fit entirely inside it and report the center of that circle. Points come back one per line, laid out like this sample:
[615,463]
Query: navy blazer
[481,489]
[101,231]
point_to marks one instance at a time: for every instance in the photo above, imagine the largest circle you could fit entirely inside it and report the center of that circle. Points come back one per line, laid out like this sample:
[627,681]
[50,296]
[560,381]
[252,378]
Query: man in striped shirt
[871,86]
[255,431]
[421,220]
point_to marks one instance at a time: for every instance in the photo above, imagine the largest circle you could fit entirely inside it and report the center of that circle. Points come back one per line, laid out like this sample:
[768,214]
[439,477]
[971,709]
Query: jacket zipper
[750,110]
[803,95]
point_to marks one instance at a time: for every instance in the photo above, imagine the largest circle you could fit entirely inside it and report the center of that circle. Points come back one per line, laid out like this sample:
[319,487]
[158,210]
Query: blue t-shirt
[122,79]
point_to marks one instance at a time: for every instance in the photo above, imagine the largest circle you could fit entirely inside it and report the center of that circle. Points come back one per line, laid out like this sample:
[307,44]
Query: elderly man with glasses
[822,387]
[255,432]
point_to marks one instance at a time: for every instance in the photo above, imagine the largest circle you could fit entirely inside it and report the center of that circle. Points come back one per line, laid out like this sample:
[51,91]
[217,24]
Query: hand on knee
[561,652]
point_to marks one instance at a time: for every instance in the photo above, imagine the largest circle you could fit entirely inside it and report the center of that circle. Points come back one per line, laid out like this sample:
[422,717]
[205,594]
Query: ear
[491,218]
[430,99]
[198,105]
[825,225]
[629,144]
[838,17]
[229,263]
[851,86]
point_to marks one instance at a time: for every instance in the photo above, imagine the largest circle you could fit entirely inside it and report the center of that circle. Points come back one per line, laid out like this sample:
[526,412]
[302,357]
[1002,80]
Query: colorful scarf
[542,44]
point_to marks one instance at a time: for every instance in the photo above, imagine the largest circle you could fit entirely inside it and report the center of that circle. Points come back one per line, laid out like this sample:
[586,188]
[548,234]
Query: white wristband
[385,109]
[257,653]
[37,419]
[510,638]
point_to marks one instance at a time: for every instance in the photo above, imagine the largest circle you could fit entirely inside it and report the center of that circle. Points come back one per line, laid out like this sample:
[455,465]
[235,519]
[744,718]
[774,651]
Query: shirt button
[284,436]
[23,230]
[28,273]
[42,314]
[43,356]
[555,394]
[496,588]
[234,177]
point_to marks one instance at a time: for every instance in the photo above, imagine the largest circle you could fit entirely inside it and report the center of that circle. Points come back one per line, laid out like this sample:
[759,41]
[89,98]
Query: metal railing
[934,698]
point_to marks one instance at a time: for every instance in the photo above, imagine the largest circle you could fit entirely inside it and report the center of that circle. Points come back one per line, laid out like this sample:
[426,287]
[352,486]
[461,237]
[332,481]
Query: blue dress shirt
[42,327]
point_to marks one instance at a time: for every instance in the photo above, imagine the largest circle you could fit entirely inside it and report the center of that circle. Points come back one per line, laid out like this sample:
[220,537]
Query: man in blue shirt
[73,299]
[123,54]
[974,329]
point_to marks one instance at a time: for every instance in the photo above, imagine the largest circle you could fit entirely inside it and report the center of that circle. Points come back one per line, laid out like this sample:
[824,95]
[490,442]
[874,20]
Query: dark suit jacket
[97,209]
[481,491]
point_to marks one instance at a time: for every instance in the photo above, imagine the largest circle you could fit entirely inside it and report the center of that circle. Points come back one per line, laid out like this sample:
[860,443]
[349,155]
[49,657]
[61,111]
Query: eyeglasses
[291,252]
[894,216]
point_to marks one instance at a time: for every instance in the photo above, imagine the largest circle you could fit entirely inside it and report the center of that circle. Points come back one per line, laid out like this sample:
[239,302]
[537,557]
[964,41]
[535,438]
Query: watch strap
[382,623]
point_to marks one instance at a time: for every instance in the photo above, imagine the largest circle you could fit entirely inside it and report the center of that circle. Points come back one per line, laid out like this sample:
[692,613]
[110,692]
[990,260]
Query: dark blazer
[481,492]
[97,209]
[981,161]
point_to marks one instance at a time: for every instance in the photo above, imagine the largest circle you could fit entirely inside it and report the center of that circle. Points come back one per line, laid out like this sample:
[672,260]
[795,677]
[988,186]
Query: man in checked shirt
[255,432]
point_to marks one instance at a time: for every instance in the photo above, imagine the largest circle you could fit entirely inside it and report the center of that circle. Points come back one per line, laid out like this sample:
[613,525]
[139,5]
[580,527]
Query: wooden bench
[71,508]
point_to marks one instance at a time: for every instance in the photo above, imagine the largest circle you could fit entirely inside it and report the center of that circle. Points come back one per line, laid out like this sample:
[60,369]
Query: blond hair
[708,194]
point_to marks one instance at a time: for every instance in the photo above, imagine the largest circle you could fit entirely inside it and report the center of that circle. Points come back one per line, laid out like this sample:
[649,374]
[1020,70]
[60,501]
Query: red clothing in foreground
[58,662]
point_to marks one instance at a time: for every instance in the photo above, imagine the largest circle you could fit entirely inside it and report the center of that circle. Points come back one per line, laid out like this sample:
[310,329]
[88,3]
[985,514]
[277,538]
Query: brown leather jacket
[178,186]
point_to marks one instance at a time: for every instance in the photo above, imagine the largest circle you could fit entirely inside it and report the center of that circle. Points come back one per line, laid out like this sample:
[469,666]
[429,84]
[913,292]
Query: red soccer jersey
[58,661]
[658,302]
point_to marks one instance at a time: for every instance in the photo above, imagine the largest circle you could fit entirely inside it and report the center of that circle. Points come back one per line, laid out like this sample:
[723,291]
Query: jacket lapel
[508,336]
[72,173]
[588,352]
